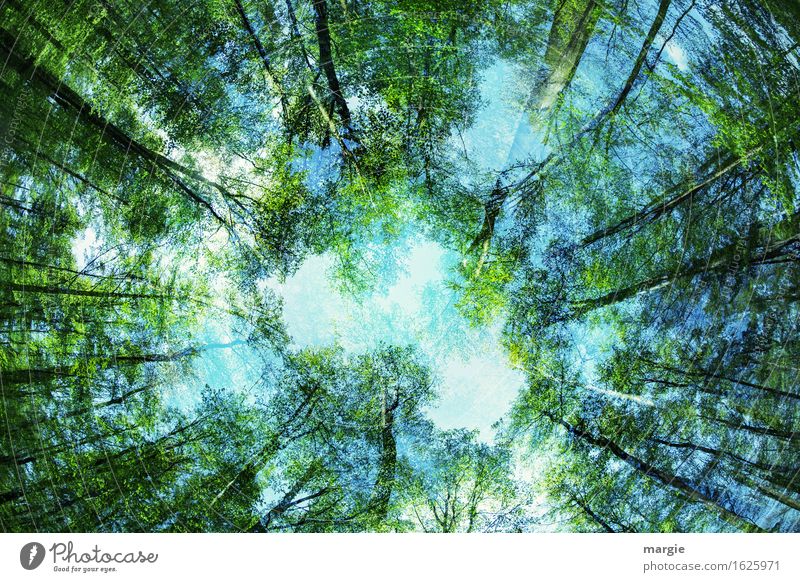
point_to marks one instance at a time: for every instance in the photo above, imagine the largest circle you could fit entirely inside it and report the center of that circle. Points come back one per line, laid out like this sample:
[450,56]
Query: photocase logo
[68,558]
[31,555]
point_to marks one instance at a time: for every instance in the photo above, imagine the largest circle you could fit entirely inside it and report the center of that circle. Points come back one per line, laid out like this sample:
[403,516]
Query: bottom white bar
[357,557]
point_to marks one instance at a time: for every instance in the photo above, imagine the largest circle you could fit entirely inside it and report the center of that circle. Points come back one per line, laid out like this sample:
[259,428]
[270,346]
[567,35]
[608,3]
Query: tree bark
[572,28]
[326,62]
[663,7]
[764,250]
[710,498]
[677,196]
[262,53]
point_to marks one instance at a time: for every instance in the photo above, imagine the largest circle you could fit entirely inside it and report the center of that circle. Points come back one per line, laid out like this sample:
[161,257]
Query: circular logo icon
[31,555]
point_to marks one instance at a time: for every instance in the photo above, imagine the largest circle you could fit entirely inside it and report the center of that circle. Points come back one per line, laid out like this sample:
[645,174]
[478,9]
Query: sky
[477,382]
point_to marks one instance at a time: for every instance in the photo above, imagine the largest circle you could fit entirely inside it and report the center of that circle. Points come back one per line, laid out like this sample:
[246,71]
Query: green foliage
[162,165]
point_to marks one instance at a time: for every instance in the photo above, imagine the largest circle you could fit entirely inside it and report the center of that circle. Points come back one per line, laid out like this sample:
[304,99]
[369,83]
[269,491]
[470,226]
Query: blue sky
[477,382]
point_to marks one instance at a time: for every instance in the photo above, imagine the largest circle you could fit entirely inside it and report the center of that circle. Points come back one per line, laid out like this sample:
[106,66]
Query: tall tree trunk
[262,53]
[273,443]
[53,290]
[663,7]
[788,435]
[708,496]
[500,194]
[786,14]
[672,199]
[40,375]
[326,62]
[572,28]
[58,269]
[768,491]
[86,409]
[780,476]
[762,248]
[697,372]
[68,99]
[45,453]
[289,500]
[34,375]
[384,482]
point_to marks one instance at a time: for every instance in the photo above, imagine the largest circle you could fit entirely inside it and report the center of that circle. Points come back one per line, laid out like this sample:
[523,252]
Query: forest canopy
[603,197]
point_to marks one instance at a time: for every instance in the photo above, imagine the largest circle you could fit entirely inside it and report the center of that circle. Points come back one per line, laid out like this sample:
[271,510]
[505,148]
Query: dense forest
[614,185]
